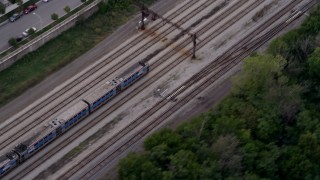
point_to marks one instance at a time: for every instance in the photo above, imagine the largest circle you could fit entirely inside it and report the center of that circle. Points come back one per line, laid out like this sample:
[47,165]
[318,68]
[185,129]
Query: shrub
[67,9]
[54,16]
[31,31]
[2,8]
[12,42]
[19,2]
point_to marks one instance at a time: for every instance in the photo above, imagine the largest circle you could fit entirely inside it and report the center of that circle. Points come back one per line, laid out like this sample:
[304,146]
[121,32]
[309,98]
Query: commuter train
[71,116]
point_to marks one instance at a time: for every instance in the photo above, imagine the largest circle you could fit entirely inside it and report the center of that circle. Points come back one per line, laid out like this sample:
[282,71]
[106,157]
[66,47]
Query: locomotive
[70,117]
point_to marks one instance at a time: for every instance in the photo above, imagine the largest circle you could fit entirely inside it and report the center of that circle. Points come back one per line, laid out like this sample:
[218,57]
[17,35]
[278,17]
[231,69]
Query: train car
[133,74]
[72,115]
[7,162]
[111,88]
[37,140]
[50,131]
[102,94]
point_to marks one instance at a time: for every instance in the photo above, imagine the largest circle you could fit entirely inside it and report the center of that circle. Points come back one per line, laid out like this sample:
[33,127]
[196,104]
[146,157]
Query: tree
[308,120]
[2,8]
[171,139]
[314,64]
[286,96]
[138,167]
[258,75]
[226,148]
[54,16]
[19,2]
[159,155]
[266,162]
[294,164]
[184,165]
[67,9]
[308,142]
[31,31]
[13,42]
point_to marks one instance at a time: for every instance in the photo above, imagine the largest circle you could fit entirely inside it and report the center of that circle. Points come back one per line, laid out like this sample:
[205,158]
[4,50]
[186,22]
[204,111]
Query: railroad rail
[136,90]
[77,94]
[215,64]
[228,61]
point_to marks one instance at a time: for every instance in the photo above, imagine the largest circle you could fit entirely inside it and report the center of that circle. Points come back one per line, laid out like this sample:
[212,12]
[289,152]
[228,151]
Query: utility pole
[145,13]
[194,39]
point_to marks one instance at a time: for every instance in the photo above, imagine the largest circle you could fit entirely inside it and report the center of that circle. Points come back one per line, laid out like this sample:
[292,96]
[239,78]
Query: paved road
[38,18]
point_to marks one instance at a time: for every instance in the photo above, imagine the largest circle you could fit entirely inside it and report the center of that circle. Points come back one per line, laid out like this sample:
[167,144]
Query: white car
[45,0]
[26,32]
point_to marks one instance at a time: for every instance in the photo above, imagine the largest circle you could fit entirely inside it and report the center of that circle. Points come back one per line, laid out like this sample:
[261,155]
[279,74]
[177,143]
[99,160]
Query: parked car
[19,38]
[15,16]
[27,31]
[45,0]
[30,8]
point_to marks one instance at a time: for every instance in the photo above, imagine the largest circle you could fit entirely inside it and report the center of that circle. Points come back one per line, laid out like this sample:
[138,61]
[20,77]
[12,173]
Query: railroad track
[225,62]
[77,94]
[134,92]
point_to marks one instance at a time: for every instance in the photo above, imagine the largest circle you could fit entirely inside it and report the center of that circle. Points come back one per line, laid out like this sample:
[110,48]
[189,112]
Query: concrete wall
[48,35]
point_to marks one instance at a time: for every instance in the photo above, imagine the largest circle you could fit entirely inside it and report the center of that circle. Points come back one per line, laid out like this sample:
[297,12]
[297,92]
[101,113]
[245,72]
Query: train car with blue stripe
[37,140]
[134,73]
[102,94]
[107,91]
[50,131]
[72,115]
[8,161]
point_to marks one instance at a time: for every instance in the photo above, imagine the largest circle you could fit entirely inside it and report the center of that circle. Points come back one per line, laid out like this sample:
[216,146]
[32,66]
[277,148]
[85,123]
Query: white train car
[72,115]
[37,140]
[102,94]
